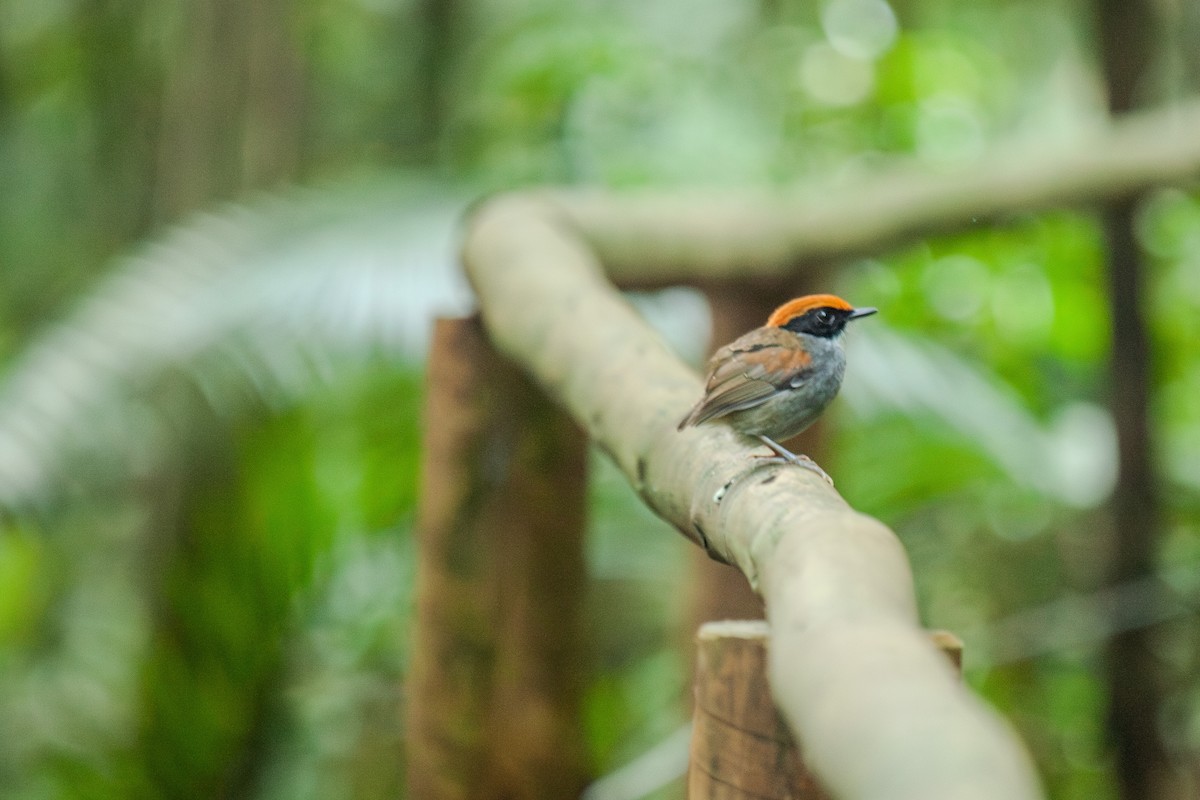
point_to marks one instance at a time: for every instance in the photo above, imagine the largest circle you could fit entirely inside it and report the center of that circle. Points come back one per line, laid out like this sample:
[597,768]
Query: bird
[774,381]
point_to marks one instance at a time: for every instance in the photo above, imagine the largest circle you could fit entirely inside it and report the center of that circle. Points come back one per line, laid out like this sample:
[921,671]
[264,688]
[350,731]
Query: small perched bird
[774,381]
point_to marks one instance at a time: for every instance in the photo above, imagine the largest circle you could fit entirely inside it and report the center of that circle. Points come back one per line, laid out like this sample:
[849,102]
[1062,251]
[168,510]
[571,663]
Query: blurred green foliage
[214,600]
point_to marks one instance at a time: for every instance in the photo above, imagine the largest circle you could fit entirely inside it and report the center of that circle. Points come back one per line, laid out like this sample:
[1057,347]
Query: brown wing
[748,372]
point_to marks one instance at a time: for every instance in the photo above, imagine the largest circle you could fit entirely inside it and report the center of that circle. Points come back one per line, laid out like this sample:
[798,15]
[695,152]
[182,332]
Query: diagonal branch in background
[657,239]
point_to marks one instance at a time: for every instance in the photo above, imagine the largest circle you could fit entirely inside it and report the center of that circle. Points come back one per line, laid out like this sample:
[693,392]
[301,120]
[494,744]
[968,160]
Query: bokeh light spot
[949,130]
[956,287]
[835,79]
[863,29]
[1023,304]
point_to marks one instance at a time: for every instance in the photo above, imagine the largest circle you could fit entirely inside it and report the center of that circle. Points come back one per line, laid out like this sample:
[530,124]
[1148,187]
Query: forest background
[226,228]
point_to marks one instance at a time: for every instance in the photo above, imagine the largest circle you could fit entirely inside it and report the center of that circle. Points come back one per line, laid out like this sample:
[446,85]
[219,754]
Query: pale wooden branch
[652,238]
[875,706]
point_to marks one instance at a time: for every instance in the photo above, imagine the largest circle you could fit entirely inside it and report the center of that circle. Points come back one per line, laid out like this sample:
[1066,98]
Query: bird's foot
[785,456]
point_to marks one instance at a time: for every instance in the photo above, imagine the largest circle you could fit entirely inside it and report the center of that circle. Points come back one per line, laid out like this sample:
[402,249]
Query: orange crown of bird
[795,308]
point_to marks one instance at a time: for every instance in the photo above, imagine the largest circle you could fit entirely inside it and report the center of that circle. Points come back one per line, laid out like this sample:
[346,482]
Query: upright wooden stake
[495,684]
[741,747]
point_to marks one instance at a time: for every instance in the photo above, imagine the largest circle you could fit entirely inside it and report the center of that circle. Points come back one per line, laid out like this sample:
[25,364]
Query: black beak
[861,312]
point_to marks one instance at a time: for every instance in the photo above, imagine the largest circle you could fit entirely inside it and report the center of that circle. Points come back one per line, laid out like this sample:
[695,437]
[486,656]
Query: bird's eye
[825,316]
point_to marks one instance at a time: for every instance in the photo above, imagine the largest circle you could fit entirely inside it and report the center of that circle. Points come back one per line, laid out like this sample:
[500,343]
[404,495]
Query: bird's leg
[785,456]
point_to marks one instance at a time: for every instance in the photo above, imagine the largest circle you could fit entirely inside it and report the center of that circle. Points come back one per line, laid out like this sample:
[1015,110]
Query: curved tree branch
[658,239]
[875,706]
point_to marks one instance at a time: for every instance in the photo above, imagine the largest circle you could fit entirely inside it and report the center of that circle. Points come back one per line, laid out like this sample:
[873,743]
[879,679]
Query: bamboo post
[495,684]
[741,746]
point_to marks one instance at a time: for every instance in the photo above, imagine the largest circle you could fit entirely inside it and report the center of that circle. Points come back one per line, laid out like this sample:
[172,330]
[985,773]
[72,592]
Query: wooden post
[741,747]
[495,684]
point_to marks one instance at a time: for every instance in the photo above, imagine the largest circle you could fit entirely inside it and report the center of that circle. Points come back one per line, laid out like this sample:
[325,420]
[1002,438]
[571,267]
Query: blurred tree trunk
[275,85]
[1189,44]
[1128,34]
[123,86]
[225,117]
[495,688]
[440,22]
[1134,690]
[200,101]
[231,117]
